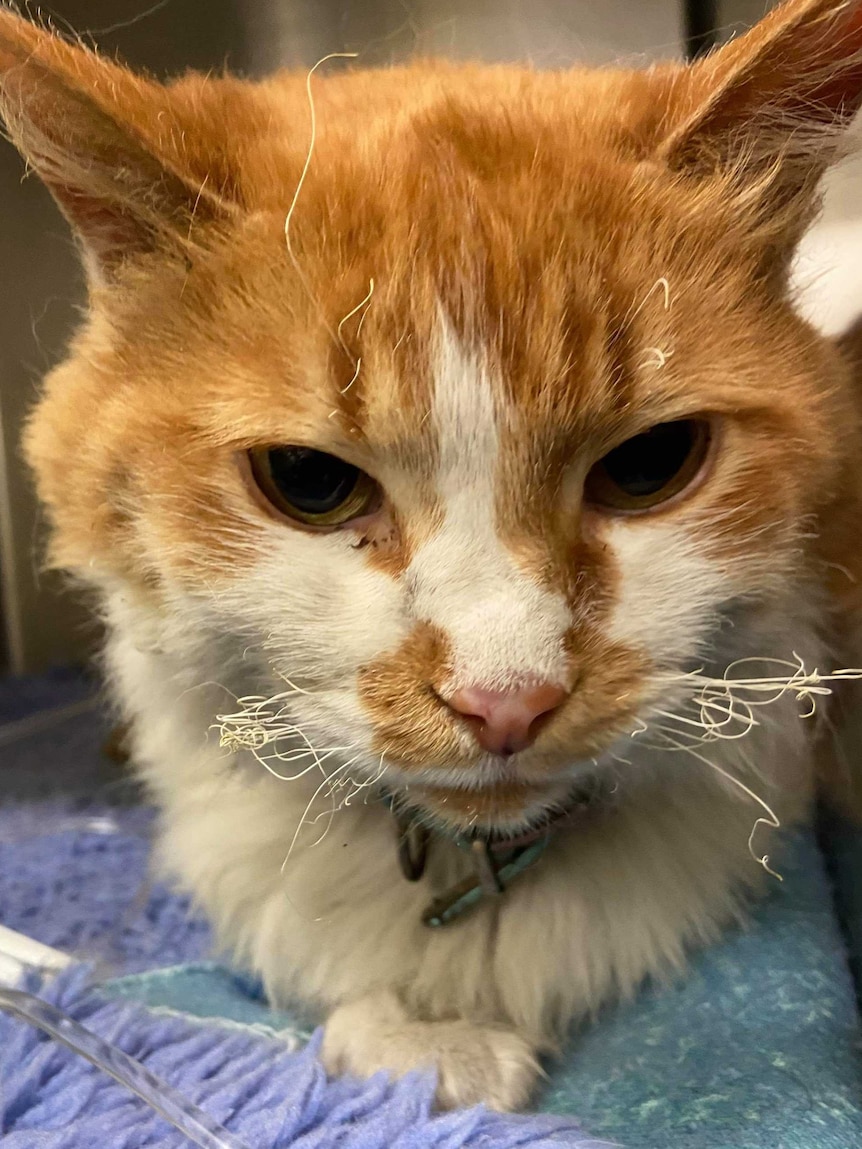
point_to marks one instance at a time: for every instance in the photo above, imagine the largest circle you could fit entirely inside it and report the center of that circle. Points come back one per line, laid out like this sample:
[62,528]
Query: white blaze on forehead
[501,624]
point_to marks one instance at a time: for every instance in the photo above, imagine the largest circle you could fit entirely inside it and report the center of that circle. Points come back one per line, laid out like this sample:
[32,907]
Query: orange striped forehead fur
[587,306]
[477,277]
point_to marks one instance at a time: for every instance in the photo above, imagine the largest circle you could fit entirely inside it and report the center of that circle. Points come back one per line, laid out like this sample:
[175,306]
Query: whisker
[634,312]
[769,818]
[724,702]
[302,821]
[333,810]
[317,763]
[710,730]
[288,219]
[362,303]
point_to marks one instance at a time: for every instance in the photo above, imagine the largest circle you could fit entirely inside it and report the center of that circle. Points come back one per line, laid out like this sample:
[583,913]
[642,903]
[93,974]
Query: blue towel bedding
[757,1047]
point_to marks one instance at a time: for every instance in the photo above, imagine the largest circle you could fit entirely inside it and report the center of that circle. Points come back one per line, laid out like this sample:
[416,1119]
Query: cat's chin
[510,806]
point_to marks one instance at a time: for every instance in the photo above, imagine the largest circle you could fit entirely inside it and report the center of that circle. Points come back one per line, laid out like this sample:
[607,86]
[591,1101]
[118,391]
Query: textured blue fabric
[74,876]
[842,841]
[26,695]
[207,990]
[269,1097]
[757,1047]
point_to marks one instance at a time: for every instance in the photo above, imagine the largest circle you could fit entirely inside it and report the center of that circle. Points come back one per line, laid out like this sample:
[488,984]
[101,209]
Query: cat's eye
[311,487]
[650,468]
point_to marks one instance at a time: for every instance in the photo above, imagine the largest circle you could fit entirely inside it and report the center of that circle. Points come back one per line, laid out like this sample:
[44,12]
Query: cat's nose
[506,721]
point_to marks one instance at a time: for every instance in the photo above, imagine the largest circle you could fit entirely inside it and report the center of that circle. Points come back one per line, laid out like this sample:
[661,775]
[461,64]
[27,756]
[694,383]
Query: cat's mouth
[493,794]
[510,806]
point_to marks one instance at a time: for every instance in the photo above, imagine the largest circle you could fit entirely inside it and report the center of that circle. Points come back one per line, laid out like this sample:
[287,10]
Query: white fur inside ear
[475,1064]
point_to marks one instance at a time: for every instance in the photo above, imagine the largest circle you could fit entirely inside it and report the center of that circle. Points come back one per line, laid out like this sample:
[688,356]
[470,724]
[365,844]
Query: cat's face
[478,452]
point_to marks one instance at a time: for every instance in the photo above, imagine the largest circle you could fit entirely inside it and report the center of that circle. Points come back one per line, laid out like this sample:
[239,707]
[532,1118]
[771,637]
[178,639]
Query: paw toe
[475,1064]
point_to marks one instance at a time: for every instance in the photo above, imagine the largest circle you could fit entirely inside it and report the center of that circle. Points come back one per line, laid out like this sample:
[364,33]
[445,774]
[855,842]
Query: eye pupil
[311,486]
[646,463]
[649,468]
[311,481]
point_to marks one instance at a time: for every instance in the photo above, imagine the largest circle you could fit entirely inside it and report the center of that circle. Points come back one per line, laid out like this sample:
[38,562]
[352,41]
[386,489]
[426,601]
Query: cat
[441,441]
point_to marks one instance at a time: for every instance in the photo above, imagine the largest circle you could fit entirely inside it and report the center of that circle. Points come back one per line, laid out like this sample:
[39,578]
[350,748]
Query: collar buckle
[413,841]
[492,878]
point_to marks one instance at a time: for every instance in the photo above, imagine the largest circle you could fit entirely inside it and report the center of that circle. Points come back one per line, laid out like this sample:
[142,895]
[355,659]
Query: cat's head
[473,420]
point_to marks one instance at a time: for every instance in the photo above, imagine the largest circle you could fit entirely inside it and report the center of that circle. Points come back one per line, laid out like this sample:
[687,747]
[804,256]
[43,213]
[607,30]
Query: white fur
[475,1064]
[608,905]
[668,591]
[501,623]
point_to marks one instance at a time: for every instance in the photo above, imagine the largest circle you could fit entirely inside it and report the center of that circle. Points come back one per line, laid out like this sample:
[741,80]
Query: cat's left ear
[112,147]
[770,105]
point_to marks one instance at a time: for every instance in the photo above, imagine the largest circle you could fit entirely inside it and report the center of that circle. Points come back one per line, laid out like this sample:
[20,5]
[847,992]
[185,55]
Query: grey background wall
[550,33]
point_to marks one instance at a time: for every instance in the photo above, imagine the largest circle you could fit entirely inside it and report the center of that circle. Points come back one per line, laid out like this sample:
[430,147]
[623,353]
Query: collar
[497,859]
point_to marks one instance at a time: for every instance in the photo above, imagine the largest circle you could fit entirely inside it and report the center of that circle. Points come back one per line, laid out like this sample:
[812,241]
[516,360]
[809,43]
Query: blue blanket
[755,1048]
[256,1087]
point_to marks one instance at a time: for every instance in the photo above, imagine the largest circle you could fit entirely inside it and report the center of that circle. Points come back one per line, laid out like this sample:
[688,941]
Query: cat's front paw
[474,1063]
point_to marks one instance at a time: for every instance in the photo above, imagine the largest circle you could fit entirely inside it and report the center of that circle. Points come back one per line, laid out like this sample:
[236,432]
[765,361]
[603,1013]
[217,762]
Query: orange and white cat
[456,420]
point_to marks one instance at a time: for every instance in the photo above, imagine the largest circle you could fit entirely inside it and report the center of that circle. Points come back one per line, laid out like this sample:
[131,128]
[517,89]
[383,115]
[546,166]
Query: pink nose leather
[505,720]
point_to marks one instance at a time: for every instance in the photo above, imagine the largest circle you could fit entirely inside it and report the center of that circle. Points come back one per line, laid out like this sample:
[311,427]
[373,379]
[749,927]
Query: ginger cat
[440,441]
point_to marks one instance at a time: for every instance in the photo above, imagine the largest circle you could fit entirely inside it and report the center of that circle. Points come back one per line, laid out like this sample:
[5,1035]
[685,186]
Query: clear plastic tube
[166,1101]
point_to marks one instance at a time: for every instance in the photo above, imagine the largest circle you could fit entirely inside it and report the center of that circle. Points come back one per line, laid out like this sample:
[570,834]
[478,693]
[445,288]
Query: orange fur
[570,265]
[596,252]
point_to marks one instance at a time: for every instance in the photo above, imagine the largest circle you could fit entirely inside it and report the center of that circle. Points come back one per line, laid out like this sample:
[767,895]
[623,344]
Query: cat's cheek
[314,613]
[313,606]
[410,722]
[668,591]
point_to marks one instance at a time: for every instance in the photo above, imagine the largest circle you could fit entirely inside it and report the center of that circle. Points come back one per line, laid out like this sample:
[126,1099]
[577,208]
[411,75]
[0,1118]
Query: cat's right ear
[106,143]
[766,113]
[795,73]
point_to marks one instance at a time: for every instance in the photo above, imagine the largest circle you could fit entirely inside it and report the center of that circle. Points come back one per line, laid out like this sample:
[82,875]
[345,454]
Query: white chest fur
[337,921]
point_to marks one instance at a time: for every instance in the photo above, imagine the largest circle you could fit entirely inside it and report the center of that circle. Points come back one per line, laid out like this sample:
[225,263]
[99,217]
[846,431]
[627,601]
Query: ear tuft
[766,114]
[798,71]
[103,140]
